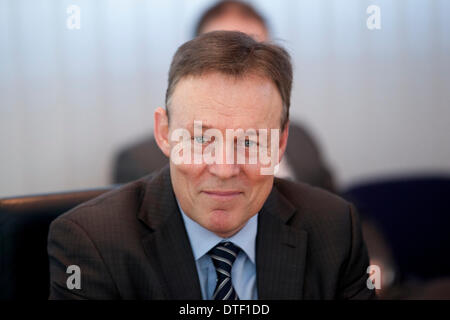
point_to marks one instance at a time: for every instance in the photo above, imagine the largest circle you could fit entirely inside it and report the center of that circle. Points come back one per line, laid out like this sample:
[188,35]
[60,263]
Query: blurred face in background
[221,197]
[234,20]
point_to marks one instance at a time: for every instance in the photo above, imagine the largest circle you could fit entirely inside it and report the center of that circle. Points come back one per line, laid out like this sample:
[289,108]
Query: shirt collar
[202,240]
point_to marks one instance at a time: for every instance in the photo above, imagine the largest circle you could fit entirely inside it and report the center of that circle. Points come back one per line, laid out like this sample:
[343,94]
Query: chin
[223,222]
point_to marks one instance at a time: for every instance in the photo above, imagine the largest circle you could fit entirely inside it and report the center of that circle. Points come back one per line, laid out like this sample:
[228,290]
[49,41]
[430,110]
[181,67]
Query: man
[303,161]
[221,229]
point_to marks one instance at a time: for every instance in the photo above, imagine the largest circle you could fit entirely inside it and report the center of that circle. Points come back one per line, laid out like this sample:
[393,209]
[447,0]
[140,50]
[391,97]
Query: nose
[224,171]
[224,168]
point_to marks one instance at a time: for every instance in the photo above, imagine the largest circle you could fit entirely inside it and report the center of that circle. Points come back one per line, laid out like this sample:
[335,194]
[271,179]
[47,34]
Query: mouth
[222,195]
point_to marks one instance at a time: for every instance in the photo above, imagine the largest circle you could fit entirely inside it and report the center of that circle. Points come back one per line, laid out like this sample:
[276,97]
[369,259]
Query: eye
[200,139]
[249,143]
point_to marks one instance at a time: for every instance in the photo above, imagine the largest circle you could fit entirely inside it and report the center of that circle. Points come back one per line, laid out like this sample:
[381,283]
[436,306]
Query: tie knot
[223,256]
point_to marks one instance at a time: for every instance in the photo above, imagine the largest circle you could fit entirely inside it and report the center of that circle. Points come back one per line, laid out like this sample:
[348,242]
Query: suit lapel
[167,244]
[280,251]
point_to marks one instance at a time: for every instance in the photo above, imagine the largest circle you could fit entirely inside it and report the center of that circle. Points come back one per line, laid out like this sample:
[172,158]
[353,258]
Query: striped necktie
[223,256]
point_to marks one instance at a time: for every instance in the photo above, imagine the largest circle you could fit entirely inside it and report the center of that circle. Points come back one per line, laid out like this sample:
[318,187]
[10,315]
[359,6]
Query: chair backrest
[24,224]
[414,215]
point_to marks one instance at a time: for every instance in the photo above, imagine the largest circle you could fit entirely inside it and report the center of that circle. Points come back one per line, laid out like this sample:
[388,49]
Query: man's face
[222,197]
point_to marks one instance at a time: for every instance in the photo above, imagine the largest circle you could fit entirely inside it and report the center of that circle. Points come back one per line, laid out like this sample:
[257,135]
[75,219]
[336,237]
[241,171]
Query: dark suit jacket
[131,243]
[302,153]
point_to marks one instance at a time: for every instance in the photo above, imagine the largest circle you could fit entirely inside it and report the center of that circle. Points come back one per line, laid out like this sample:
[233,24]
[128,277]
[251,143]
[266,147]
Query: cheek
[188,169]
[260,184]
[254,174]
[187,175]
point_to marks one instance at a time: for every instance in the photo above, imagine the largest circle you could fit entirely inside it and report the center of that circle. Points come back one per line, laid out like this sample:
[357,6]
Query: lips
[222,195]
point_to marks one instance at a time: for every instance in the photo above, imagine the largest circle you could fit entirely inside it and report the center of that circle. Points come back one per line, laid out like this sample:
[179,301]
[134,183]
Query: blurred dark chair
[24,223]
[413,213]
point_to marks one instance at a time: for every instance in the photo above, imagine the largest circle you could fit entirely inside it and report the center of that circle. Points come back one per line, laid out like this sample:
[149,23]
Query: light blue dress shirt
[243,273]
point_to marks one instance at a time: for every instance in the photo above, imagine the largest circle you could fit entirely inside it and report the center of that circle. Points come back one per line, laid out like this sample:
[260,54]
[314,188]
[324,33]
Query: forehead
[223,101]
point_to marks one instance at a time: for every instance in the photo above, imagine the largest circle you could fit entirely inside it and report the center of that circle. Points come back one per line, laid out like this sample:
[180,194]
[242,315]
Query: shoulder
[113,211]
[308,197]
[316,210]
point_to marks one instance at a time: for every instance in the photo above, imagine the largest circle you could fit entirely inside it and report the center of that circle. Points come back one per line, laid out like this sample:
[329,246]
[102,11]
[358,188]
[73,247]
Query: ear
[161,130]
[283,141]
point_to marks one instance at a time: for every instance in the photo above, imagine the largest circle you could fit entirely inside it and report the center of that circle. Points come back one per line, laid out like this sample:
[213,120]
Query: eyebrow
[203,127]
[206,127]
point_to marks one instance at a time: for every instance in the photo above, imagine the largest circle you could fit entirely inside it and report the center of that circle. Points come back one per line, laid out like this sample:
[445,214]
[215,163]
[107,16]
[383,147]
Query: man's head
[231,15]
[228,81]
